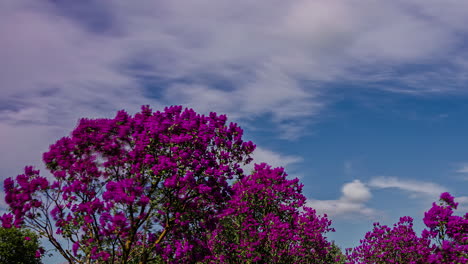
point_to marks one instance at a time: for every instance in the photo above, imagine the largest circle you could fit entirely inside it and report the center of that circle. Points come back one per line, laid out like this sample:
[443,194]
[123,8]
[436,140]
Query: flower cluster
[22,197]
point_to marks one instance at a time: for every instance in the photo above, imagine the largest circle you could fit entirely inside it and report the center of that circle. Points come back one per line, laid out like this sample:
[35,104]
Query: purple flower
[447,198]
[7,220]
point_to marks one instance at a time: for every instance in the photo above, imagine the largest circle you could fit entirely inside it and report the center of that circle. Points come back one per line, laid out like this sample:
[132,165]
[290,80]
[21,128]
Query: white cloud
[415,188]
[274,159]
[352,202]
[356,191]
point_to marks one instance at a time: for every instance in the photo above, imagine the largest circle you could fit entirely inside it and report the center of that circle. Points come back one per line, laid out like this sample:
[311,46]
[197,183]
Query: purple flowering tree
[163,187]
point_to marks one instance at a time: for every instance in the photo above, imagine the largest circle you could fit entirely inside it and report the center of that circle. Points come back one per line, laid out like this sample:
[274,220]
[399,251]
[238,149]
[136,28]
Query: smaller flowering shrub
[267,222]
[445,240]
[397,244]
[448,231]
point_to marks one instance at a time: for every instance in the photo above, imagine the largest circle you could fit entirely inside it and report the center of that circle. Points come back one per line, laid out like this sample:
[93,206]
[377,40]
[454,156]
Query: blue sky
[365,101]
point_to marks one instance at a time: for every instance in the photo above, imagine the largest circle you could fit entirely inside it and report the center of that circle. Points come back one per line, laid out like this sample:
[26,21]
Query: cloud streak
[275,159]
[463,168]
[415,188]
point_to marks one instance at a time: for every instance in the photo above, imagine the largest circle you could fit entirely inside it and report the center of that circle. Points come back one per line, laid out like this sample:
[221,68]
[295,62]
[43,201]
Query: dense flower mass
[164,187]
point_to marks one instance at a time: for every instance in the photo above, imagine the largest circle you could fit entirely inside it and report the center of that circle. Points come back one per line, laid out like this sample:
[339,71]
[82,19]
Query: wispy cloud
[220,55]
[413,187]
[463,168]
[275,159]
[352,202]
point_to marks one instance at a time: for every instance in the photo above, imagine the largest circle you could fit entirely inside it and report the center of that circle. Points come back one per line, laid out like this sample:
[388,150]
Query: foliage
[19,246]
[335,255]
[164,187]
